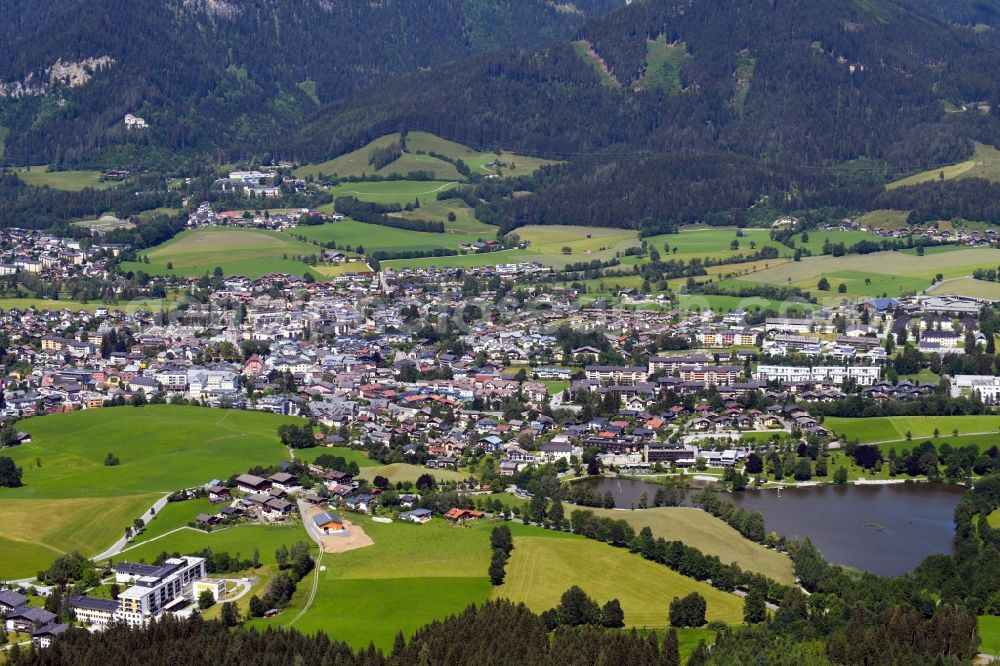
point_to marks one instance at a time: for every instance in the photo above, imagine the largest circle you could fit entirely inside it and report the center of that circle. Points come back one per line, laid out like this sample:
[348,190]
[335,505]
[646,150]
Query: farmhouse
[26,619]
[249,483]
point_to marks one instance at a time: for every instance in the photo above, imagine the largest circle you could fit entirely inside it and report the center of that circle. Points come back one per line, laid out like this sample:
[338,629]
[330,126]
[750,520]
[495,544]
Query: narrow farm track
[316,567]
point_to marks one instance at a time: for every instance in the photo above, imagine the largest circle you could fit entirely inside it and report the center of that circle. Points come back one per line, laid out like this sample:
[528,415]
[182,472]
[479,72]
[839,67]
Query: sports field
[984,163]
[541,569]
[86,504]
[248,252]
[175,515]
[894,428]
[709,535]
[72,181]
[240,539]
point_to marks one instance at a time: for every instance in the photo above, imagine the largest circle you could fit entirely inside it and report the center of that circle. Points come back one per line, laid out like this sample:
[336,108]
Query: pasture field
[967,286]
[71,181]
[908,270]
[87,504]
[399,192]
[644,588]
[374,237]
[249,252]
[411,162]
[40,304]
[702,302]
[397,472]
[349,454]
[894,428]
[464,260]
[709,535]
[984,163]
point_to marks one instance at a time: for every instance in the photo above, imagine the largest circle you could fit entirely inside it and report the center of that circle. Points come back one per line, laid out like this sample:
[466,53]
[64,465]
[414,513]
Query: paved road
[146,518]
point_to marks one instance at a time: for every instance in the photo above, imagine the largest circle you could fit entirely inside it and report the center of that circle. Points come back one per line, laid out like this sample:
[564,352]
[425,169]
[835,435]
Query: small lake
[885,529]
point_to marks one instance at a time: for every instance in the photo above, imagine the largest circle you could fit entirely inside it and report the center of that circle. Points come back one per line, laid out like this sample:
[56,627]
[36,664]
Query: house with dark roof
[11,601]
[43,637]
[26,619]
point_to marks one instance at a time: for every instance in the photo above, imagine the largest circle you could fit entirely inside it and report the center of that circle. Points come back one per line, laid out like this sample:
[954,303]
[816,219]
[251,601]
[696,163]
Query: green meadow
[248,252]
[376,238]
[967,286]
[72,181]
[894,428]
[397,472]
[585,51]
[909,272]
[399,192]
[541,569]
[349,454]
[240,539]
[414,574]
[709,535]
[87,504]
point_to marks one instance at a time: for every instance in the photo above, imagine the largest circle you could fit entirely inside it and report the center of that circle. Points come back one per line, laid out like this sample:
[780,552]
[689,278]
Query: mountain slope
[211,74]
[779,95]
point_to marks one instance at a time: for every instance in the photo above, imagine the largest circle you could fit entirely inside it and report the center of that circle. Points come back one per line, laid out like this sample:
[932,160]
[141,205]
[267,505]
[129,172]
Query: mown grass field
[349,454]
[708,534]
[887,219]
[894,428]
[87,505]
[397,472]
[984,163]
[71,181]
[249,252]
[714,243]
[909,272]
[354,163]
[541,569]
[375,238]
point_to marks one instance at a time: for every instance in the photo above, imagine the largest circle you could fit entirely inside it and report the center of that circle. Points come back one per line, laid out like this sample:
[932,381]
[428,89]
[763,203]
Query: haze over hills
[211,74]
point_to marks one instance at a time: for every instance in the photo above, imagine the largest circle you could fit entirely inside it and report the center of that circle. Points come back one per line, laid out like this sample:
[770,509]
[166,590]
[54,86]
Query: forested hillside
[212,75]
[785,102]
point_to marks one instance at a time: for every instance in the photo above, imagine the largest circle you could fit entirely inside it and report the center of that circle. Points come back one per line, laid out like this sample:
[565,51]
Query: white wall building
[864,375]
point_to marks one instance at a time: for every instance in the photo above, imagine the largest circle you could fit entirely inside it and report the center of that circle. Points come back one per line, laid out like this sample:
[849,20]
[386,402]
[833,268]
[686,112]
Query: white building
[864,375]
[987,386]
